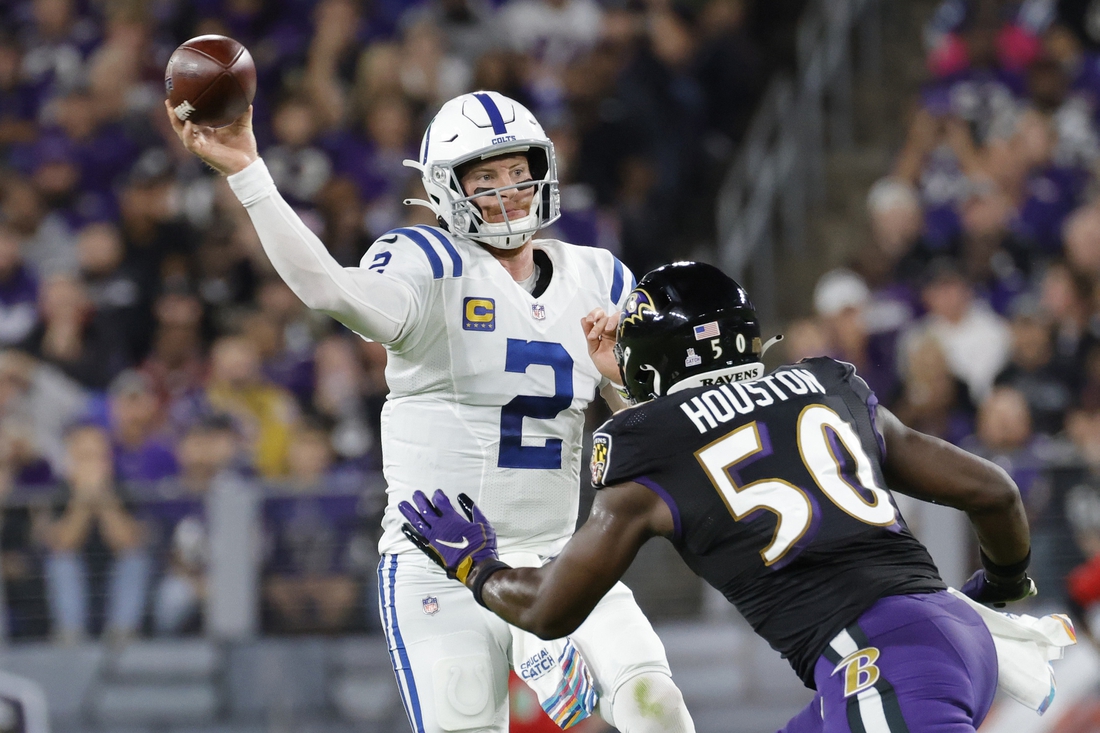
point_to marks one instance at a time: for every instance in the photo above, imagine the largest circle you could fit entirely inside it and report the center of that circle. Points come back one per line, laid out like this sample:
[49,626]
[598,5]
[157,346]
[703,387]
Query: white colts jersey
[488,384]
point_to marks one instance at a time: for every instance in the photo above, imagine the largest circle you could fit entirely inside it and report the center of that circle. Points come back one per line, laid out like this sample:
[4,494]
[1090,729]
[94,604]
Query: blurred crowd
[148,348]
[974,311]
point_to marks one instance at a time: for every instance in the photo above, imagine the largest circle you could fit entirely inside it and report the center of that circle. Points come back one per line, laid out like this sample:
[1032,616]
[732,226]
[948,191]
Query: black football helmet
[681,320]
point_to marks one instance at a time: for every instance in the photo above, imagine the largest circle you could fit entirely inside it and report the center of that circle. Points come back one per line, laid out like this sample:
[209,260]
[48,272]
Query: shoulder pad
[440,252]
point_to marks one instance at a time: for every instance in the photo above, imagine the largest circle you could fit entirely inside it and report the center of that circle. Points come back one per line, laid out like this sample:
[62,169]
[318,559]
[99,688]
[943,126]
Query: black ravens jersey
[778,498]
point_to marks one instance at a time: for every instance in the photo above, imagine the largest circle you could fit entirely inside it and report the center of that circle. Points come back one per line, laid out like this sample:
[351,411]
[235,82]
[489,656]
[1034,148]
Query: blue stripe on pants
[405,682]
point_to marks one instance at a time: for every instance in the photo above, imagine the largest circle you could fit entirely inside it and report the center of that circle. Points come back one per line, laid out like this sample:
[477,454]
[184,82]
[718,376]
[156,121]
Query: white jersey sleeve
[619,282]
[380,305]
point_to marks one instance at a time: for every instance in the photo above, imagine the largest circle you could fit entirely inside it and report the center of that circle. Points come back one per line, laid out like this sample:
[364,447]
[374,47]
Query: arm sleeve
[380,308]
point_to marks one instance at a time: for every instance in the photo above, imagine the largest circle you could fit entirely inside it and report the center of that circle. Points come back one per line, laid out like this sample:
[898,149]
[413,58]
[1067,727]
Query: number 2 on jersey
[790,504]
[519,356]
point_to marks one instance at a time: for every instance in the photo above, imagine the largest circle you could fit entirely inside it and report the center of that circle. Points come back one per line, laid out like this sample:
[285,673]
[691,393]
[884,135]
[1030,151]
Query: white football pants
[452,657]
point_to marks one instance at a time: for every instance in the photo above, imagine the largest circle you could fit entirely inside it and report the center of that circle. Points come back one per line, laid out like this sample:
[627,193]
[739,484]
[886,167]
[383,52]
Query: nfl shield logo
[431,605]
[538,310]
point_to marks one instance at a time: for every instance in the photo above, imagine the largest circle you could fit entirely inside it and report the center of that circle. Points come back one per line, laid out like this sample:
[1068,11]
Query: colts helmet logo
[638,303]
[601,451]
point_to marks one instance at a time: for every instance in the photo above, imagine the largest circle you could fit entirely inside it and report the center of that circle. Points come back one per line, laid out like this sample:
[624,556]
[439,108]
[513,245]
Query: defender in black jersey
[776,490]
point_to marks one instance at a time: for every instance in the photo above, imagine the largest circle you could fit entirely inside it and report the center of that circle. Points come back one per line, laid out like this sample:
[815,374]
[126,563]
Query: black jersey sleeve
[620,451]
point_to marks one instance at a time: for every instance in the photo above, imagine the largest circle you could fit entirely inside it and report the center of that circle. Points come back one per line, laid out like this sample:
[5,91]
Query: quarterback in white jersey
[489,375]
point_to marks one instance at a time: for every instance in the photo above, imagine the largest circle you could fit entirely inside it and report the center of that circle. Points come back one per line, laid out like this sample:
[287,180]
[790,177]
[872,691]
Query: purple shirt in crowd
[153,460]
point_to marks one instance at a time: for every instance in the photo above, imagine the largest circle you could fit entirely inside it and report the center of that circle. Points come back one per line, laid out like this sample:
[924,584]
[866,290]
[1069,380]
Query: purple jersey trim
[872,409]
[667,498]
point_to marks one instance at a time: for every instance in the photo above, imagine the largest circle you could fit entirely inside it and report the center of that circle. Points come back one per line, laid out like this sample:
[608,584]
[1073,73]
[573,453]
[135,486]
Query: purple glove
[996,592]
[454,542]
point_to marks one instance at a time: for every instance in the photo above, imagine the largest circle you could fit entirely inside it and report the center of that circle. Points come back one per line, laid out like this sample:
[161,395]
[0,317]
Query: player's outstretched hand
[600,332]
[997,592]
[228,149]
[455,542]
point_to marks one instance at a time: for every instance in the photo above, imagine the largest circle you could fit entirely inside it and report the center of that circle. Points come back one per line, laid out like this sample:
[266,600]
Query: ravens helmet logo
[638,303]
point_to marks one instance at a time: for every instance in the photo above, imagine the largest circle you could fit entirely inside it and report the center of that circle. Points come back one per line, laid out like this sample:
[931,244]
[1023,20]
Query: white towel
[1025,647]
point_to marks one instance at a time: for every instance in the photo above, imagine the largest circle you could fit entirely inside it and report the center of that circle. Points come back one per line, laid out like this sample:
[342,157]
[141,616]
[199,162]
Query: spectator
[18,292]
[1050,190]
[986,246]
[1046,385]
[804,338]
[554,33]
[175,367]
[95,547]
[71,336]
[1066,296]
[18,102]
[21,573]
[377,75]
[297,164]
[40,400]
[932,399]
[731,68]
[1090,391]
[939,157]
[974,339]
[46,239]
[1082,242]
[388,128]
[58,41]
[22,465]
[265,412]
[983,92]
[344,215]
[114,291]
[1083,429]
[897,228]
[158,241]
[340,397]
[210,447]
[77,164]
[226,277]
[290,369]
[309,576]
[470,27]
[1004,435]
[841,300]
[1076,143]
[429,75]
[141,452]
[337,25]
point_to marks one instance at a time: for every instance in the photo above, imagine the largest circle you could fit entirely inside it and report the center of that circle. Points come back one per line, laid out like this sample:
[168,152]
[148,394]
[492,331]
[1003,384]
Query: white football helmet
[478,126]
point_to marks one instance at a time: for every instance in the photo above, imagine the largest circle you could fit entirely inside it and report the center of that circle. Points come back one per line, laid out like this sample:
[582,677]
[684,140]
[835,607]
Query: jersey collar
[739,373]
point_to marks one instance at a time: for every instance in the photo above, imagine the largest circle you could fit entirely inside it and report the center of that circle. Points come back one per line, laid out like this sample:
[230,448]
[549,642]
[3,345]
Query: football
[210,80]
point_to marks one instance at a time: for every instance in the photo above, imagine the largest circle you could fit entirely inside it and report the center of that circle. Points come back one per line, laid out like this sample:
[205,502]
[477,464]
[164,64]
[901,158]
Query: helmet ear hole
[537,163]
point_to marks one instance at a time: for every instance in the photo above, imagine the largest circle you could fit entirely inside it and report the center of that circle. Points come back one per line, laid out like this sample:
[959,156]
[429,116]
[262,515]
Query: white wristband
[252,184]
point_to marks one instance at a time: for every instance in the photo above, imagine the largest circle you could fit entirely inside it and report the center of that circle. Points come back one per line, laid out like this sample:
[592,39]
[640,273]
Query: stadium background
[932,217]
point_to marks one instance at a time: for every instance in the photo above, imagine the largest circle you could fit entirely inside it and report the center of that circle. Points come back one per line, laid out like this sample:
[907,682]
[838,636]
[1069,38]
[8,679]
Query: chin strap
[418,202]
[415,165]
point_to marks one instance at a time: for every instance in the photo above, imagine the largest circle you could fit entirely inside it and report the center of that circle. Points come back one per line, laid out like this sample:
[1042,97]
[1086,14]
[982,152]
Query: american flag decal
[706,331]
